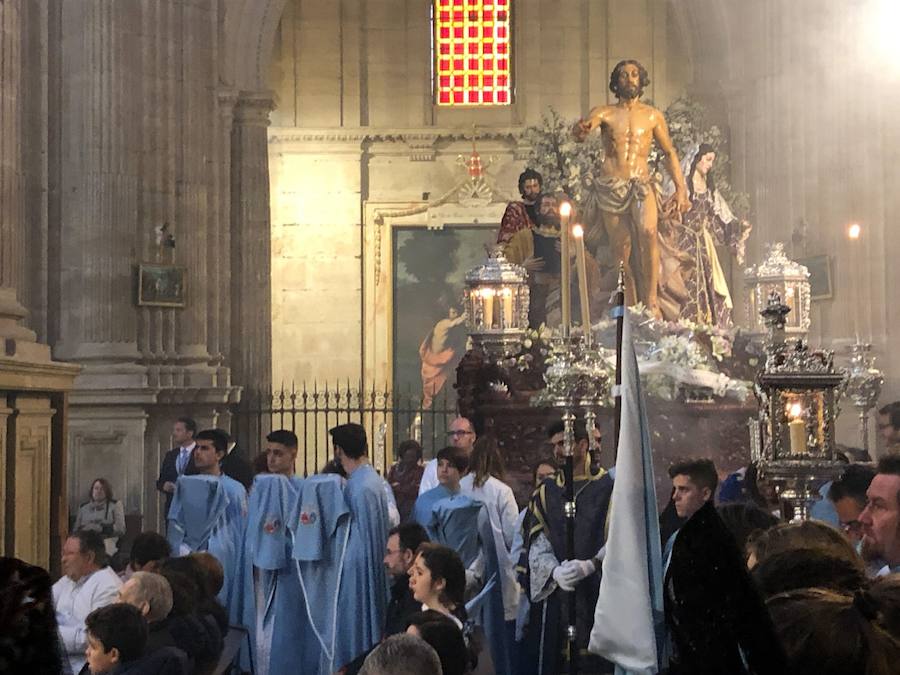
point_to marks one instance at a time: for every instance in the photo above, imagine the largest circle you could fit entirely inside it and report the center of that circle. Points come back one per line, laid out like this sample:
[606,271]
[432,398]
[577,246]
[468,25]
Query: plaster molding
[414,137]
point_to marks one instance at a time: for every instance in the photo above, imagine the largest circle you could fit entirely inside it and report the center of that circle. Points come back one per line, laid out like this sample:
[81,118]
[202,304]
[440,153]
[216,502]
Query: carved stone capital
[253,108]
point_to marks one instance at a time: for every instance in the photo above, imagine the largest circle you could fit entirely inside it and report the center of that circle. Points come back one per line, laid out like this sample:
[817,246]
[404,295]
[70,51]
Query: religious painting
[429,327]
[819,267]
[161,286]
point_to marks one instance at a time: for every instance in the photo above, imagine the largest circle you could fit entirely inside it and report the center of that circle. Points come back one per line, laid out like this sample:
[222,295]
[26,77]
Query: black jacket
[168,473]
[401,606]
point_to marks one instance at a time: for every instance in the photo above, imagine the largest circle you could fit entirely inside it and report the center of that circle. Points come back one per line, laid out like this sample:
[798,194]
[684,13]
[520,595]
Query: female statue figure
[692,283]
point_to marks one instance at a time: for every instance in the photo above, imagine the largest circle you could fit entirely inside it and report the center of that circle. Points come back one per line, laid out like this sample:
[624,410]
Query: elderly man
[889,426]
[152,595]
[880,520]
[87,583]
[461,435]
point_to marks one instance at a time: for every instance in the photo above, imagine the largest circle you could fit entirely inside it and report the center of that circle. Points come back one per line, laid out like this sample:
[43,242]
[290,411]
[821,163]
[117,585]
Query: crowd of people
[332,574]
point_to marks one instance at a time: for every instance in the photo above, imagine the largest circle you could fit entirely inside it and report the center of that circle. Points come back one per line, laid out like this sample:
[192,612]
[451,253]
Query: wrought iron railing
[311,410]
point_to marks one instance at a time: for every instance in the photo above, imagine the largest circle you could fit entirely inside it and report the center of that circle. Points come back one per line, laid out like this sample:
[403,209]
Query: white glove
[473,580]
[571,572]
[560,577]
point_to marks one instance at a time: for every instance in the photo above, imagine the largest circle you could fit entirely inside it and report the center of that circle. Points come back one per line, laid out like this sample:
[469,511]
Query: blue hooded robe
[209,513]
[272,605]
[319,523]
[364,587]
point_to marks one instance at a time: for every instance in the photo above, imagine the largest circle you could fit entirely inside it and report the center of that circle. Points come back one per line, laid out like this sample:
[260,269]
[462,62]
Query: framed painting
[819,267]
[161,285]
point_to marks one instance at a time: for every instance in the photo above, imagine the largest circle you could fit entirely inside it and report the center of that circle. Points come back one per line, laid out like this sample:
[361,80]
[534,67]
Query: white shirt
[429,476]
[503,511]
[74,601]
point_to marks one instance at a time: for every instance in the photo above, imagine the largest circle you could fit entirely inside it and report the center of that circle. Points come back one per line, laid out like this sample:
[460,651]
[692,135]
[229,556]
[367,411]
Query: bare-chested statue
[628,195]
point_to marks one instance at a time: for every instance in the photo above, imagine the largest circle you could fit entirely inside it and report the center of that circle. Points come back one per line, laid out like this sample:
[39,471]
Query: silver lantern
[496,299]
[779,274]
[798,391]
[864,382]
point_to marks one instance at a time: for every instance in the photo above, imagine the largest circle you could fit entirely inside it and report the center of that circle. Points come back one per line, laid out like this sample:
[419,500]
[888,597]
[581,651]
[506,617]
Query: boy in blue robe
[319,525]
[364,583]
[271,585]
[209,513]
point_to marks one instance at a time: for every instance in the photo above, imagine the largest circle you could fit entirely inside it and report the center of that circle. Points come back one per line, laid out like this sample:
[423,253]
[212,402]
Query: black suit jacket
[168,473]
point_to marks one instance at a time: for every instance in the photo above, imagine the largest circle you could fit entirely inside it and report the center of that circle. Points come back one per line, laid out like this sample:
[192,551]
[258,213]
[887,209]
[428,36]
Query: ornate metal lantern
[496,299]
[798,390]
[779,274]
[864,382]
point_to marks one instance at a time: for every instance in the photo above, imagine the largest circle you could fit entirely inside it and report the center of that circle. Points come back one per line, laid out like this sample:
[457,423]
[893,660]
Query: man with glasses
[848,494]
[461,435]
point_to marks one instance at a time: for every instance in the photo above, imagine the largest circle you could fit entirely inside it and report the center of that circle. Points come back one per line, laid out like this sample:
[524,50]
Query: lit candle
[853,233]
[797,429]
[581,261]
[506,301]
[565,210]
[487,297]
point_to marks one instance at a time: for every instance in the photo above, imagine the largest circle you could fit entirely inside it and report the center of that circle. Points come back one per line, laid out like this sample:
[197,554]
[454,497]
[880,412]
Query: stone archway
[250,27]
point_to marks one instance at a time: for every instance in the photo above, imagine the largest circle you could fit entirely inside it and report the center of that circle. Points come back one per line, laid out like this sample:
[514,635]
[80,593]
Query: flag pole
[569,472]
[618,313]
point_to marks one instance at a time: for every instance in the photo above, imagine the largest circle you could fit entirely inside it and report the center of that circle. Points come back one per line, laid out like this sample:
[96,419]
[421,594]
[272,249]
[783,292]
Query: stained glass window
[472,52]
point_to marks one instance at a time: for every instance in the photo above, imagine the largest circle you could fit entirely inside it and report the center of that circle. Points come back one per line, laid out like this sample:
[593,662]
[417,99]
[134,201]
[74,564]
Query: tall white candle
[565,280]
[581,261]
[487,295]
[853,233]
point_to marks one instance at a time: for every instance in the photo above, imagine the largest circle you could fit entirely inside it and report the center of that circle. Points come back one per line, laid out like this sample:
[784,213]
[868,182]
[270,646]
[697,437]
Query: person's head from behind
[211,449]
[101,491]
[452,465]
[809,534]
[546,468]
[889,423]
[745,521]
[147,550]
[693,484]
[827,633]
[183,431]
[191,567]
[116,634]
[410,452]
[281,452]
[150,593]
[212,574]
[437,577]
[186,593]
[885,593]
[351,447]
[83,553]
[402,655]
[880,519]
[402,543]
[800,568]
[444,635]
[848,494]
[486,461]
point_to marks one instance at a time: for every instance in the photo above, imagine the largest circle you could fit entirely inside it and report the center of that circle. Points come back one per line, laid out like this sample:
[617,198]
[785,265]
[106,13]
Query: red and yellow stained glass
[472,52]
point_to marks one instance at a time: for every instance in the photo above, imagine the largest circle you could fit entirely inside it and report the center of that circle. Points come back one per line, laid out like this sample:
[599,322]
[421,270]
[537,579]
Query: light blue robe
[320,528]
[272,606]
[364,587]
[209,513]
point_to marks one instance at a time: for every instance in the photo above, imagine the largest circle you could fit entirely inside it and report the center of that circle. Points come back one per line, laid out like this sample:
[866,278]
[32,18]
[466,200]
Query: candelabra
[864,382]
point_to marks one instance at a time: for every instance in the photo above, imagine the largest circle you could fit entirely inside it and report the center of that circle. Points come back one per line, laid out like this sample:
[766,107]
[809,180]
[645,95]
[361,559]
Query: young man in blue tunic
[209,513]
[364,580]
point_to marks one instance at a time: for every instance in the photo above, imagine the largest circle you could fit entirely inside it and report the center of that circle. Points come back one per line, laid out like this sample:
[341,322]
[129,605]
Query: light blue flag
[629,621]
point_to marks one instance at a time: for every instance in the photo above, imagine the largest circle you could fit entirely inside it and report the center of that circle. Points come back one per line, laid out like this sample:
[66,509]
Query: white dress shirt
[74,600]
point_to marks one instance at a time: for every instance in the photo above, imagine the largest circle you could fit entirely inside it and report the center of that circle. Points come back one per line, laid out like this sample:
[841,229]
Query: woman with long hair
[103,514]
[437,579]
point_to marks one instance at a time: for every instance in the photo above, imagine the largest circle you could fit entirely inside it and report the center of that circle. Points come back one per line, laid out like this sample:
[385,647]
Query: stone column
[251,296]
[100,141]
[12,235]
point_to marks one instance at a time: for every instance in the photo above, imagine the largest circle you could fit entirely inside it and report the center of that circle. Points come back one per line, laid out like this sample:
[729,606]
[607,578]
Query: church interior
[264,214]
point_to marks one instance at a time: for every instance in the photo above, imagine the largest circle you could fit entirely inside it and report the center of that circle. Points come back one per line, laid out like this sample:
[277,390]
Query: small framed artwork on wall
[161,285]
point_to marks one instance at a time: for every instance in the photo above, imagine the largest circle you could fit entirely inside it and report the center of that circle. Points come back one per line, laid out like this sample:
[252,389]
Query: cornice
[415,137]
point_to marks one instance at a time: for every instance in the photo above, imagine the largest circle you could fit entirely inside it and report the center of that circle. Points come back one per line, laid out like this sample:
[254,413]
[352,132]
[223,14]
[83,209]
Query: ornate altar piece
[864,382]
[778,274]
[797,390]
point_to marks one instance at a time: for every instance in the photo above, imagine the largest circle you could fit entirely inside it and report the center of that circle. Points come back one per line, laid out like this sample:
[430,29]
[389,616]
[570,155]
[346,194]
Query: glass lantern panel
[801,424]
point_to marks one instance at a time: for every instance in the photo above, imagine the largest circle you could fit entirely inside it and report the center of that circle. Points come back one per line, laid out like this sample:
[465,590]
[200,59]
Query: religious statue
[440,352]
[693,285]
[627,195]
[521,215]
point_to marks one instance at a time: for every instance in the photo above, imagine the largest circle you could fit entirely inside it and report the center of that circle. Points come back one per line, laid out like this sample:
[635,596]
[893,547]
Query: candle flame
[577,231]
[565,209]
[506,292]
[488,292]
[795,411]
[854,230]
